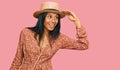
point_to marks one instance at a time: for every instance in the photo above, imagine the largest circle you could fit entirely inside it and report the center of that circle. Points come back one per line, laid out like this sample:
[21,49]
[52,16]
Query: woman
[38,44]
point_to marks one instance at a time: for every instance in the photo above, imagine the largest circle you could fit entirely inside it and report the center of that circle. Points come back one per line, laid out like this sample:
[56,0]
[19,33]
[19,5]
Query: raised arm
[82,42]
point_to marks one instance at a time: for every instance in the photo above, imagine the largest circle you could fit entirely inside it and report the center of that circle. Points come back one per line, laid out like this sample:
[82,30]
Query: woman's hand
[72,17]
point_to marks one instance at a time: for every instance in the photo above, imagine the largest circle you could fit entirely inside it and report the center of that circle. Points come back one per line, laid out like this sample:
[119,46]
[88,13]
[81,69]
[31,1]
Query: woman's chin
[51,29]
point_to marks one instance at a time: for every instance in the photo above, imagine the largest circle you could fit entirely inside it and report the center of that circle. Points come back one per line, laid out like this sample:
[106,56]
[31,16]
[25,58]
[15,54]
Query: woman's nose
[53,19]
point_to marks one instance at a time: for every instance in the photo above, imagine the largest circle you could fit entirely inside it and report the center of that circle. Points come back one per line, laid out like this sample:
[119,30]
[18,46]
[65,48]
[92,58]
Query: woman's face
[51,20]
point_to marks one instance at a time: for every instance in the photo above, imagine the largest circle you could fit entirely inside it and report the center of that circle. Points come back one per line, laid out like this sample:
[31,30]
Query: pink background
[101,18]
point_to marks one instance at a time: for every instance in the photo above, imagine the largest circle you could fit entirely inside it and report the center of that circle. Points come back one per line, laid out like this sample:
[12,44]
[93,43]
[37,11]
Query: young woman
[38,44]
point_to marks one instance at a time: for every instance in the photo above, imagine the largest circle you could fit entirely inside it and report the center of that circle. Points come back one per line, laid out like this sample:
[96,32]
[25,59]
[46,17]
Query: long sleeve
[19,54]
[81,43]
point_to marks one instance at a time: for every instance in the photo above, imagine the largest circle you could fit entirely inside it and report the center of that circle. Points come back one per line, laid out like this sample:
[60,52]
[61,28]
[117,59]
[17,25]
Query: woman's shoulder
[26,31]
[62,36]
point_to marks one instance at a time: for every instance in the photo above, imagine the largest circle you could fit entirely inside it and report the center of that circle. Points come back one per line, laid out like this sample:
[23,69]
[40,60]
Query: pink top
[28,49]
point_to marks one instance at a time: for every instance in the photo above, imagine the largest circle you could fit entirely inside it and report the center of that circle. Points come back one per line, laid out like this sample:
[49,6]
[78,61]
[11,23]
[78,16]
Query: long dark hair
[39,28]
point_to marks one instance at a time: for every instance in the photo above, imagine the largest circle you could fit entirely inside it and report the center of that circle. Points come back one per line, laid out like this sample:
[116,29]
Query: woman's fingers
[70,13]
[71,16]
[66,12]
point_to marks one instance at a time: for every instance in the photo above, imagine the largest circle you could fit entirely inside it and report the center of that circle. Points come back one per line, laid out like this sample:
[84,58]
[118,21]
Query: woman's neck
[46,33]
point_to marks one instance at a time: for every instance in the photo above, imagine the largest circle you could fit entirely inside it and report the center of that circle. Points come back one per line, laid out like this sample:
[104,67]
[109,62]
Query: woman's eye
[56,17]
[49,16]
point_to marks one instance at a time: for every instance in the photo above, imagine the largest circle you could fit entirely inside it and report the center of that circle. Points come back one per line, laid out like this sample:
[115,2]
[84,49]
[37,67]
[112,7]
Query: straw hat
[49,7]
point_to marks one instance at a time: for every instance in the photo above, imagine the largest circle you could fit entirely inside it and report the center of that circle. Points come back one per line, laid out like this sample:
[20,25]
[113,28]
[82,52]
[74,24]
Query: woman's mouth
[52,25]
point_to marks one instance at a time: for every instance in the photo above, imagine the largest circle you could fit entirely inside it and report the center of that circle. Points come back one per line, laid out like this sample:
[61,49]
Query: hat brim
[37,13]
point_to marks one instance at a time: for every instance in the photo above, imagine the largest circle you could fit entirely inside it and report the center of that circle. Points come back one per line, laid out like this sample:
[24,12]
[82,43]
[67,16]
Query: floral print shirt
[28,50]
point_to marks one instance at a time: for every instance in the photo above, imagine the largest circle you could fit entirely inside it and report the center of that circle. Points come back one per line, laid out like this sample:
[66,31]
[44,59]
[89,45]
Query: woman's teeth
[52,25]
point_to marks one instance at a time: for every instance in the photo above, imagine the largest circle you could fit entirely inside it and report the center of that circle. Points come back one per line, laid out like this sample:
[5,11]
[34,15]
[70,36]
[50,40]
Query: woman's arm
[82,42]
[19,54]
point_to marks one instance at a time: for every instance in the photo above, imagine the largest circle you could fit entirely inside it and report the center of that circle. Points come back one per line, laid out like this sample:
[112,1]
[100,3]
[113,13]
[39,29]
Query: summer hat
[49,7]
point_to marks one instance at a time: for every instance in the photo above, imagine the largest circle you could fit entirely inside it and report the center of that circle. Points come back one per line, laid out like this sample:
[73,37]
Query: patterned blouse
[28,50]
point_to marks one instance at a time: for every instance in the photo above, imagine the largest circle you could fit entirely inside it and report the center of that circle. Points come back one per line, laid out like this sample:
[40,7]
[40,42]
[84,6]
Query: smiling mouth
[52,25]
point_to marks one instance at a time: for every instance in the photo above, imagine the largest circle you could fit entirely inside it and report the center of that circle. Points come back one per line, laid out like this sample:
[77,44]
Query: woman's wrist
[77,23]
